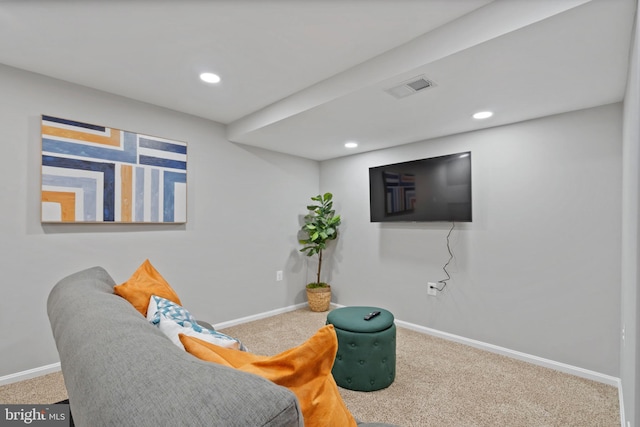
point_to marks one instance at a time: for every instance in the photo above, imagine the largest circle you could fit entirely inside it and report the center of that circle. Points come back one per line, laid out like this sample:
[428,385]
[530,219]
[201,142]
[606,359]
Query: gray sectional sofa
[120,370]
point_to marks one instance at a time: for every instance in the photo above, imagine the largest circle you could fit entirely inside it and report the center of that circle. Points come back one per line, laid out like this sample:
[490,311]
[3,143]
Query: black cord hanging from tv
[444,268]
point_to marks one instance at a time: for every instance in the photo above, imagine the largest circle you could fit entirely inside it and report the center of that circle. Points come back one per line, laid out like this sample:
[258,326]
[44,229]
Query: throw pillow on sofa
[173,319]
[305,370]
[161,306]
[144,282]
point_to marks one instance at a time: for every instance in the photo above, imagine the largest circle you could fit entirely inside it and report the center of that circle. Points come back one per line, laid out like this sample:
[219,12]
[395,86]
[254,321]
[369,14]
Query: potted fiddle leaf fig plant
[320,227]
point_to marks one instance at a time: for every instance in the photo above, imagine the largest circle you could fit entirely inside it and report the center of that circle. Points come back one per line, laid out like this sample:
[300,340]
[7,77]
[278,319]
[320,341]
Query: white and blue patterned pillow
[173,319]
[161,306]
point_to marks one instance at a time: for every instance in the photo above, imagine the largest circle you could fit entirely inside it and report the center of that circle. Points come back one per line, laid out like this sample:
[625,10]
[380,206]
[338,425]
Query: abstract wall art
[96,174]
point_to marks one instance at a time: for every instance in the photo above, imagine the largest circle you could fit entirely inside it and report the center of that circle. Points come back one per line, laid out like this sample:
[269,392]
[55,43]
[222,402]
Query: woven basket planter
[319,298]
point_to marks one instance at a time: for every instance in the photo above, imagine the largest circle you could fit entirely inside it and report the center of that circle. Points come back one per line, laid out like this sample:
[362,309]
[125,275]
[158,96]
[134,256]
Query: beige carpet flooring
[438,383]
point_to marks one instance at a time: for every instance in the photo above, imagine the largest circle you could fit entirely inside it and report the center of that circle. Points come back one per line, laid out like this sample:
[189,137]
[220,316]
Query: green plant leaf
[320,226]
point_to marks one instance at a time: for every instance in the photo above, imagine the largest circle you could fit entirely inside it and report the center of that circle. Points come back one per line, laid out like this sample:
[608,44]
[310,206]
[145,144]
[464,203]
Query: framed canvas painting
[97,174]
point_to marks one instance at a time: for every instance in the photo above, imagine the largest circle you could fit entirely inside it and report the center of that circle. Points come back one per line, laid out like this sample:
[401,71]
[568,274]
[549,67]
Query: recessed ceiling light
[483,115]
[351,144]
[209,77]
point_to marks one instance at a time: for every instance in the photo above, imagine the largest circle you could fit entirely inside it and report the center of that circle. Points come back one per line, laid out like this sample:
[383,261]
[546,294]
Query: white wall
[243,215]
[538,269]
[630,356]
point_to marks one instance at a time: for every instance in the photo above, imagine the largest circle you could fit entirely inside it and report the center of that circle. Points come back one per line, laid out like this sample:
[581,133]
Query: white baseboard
[55,367]
[28,374]
[547,363]
[258,316]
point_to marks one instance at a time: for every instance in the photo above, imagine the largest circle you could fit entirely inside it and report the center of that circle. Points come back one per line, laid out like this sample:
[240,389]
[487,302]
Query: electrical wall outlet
[432,288]
[279,275]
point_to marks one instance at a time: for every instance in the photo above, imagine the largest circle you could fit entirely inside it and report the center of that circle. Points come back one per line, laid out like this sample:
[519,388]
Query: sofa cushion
[144,282]
[305,370]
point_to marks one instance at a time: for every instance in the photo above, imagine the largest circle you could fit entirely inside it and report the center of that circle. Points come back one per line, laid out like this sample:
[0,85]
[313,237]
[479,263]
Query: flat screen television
[433,189]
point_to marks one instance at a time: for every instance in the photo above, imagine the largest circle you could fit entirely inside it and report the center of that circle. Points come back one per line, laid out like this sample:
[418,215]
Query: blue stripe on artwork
[127,155]
[108,169]
[155,195]
[163,163]
[164,146]
[73,123]
[88,186]
[170,179]
[139,214]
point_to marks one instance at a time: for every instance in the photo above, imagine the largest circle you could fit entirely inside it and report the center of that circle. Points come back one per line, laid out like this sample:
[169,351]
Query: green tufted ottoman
[366,358]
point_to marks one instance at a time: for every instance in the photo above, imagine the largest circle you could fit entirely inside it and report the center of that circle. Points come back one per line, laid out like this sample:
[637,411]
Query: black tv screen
[433,189]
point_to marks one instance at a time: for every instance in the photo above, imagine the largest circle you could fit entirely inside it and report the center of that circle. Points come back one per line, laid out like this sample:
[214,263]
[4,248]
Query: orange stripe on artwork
[67,203]
[113,140]
[126,191]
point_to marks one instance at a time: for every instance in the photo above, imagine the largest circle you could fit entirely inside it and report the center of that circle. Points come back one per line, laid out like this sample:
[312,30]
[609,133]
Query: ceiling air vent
[410,87]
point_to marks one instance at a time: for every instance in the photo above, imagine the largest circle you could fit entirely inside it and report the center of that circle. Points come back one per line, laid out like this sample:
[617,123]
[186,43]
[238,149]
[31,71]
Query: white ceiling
[304,76]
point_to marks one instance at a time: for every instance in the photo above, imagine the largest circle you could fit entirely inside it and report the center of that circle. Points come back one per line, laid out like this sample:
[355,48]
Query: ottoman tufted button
[349,380]
[361,362]
[384,360]
[372,382]
[339,356]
